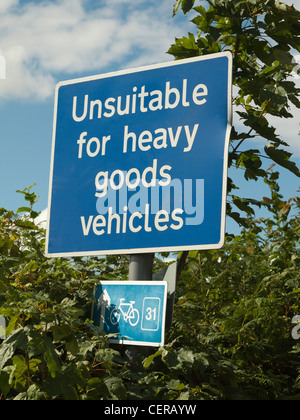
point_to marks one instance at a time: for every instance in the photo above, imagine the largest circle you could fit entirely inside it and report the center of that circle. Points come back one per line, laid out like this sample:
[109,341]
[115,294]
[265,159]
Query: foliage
[262,36]
[52,350]
[231,336]
[239,302]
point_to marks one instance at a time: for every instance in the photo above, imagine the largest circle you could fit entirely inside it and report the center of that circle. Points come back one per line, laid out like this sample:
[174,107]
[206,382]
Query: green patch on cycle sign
[131,312]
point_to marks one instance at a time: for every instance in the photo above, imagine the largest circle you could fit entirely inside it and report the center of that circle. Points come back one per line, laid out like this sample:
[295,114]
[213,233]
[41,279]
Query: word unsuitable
[144,101]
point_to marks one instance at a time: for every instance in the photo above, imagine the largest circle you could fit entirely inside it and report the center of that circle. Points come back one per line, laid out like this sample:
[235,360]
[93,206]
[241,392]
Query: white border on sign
[225,161]
[164,309]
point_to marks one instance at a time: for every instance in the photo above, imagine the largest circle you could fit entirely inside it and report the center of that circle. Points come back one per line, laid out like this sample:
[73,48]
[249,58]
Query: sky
[48,41]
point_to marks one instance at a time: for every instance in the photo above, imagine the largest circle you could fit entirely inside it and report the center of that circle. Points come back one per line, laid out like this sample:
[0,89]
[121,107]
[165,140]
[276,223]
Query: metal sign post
[141,266]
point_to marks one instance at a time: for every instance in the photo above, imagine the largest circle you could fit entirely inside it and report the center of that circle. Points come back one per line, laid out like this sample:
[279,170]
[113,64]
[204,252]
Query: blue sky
[45,42]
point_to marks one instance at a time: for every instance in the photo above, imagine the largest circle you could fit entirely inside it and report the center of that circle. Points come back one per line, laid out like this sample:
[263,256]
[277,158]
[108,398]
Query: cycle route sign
[139,159]
[131,312]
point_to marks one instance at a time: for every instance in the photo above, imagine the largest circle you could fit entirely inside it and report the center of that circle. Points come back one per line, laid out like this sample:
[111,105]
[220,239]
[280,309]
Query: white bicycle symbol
[129,313]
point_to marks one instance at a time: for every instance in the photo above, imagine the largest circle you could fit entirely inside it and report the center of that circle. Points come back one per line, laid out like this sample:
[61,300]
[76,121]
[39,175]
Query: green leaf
[244,204]
[31,197]
[23,209]
[51,357]
[116,388]
[184,47]
[282,157]
[176,385]
[32,393]
[20,364]
[150,358]
[26,224]
[17,340]
[186,356]
[176,7]
[61,332]
[4,383]
[187,5]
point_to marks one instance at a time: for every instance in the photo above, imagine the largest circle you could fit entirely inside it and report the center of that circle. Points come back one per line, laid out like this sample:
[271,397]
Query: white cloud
[295,3]
[41,40]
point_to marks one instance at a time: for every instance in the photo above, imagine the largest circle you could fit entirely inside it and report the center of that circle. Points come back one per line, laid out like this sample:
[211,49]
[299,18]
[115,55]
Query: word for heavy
[160,139]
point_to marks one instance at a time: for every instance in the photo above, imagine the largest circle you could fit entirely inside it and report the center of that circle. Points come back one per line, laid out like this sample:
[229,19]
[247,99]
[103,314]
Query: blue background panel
[72,180]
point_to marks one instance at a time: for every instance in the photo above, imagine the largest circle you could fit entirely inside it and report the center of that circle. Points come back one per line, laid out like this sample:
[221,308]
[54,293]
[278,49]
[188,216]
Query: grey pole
[140,268]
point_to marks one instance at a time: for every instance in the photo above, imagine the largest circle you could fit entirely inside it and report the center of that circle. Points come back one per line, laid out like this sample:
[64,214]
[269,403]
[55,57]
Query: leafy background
[230,339]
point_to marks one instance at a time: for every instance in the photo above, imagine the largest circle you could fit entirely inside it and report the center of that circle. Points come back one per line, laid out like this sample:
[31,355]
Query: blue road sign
[139,159]
[132,311]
